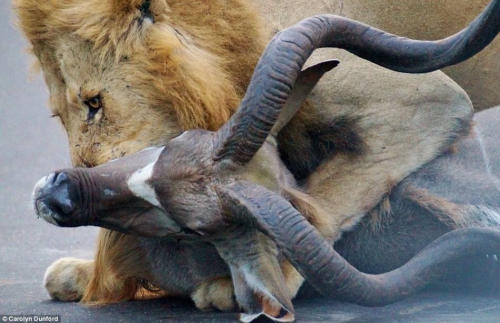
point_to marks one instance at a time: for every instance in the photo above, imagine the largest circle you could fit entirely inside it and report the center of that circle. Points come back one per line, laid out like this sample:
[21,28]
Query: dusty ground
[32,144]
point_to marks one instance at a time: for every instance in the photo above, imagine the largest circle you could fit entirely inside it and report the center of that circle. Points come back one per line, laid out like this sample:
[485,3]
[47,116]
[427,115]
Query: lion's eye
[94,104]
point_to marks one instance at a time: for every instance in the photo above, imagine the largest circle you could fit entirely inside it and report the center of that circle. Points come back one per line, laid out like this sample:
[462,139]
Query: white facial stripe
[180,136]
[137,183]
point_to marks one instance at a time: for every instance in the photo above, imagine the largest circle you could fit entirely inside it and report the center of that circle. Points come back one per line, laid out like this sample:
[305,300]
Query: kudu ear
[259,284]
[303,86]
[252,257]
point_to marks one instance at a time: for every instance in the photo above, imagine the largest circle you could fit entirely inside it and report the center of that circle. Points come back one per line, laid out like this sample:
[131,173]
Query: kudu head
[204,184]
[170,190]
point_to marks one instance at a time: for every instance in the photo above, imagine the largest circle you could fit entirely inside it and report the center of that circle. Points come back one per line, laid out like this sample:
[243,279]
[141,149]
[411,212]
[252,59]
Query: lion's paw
[217,294]
[67,278]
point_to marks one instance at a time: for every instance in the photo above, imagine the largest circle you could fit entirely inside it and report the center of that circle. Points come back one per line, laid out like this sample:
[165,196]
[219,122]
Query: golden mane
[202,61]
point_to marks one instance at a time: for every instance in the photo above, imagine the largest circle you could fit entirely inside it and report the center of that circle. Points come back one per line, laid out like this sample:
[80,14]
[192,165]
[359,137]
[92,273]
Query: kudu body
[230,188]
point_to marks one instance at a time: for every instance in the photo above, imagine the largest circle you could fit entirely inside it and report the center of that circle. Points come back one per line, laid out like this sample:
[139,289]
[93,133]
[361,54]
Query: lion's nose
[54,196]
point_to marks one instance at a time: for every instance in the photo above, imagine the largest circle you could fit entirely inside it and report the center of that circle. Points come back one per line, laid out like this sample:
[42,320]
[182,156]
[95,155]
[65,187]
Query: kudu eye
[94,105]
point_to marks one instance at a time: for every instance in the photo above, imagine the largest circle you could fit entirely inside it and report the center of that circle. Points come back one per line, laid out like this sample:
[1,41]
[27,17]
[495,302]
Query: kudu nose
[56,194]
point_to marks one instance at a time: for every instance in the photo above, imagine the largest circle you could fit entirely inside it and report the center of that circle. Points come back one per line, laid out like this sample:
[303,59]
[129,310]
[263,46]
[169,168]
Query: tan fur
[429,19]
[418,19]
[189,70]
[448,212]
[217,294]
[310,209]
[404,120]
[67,278]
[384,211]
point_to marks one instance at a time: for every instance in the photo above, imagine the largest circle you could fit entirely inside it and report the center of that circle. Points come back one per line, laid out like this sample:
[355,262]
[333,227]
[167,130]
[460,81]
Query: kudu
[230,188]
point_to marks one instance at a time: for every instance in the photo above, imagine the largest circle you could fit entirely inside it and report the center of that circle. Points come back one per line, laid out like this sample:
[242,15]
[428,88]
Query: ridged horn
[275,74]
[326,270]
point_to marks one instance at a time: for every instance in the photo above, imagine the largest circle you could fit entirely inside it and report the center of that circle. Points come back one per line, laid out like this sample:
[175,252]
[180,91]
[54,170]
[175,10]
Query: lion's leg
[118,270]
[219,293]
[215,294]
[67,278]
[113,276]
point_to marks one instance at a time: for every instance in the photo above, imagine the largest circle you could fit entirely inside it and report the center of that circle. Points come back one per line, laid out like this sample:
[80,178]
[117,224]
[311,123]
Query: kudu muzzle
[110,196]
[54,197]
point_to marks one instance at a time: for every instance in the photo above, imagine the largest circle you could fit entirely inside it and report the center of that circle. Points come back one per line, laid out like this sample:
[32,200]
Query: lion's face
[107,106]
[127,74]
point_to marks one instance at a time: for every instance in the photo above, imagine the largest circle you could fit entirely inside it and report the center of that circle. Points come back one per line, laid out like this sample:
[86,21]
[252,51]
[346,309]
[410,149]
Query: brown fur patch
[383,211]
[309,140]
[306,205]
[446,211]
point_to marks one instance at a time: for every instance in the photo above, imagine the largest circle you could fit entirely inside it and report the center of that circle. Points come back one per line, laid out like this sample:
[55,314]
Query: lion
[128,74]
[424,19]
